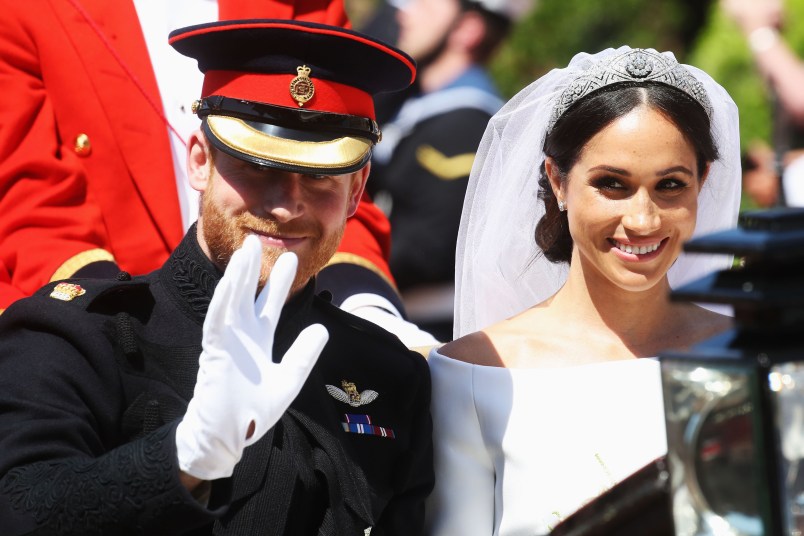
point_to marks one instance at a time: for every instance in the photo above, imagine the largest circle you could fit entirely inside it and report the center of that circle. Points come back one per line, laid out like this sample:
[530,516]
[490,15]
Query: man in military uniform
[422,168]
[79,199]
[174,403]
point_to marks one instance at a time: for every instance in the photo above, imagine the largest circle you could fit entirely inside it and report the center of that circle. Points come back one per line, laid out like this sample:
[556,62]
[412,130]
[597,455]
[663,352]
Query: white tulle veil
[500,270]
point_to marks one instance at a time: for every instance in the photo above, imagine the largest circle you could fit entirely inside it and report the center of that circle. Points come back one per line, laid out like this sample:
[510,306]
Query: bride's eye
[608,183]
[671,184]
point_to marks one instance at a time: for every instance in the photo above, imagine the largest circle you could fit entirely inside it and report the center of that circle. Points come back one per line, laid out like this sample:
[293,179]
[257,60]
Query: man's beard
[225,234]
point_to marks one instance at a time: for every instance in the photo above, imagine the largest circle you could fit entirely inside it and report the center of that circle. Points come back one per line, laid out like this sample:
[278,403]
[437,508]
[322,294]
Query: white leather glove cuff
[203,455]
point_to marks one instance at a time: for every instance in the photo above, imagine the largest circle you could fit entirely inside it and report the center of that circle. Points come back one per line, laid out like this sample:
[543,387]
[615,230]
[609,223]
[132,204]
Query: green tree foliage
[558,29]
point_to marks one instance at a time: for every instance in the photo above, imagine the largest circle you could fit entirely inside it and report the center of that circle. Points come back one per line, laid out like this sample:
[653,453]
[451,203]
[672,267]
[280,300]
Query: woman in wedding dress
[586,185]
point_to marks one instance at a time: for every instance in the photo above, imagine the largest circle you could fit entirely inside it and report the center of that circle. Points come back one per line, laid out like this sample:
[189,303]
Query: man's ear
[358,184]
[554,176]
[199,161]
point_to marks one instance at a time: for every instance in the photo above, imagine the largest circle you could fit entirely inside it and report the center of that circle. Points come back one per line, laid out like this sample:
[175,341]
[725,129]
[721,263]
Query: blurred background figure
[773,167]
[421,168]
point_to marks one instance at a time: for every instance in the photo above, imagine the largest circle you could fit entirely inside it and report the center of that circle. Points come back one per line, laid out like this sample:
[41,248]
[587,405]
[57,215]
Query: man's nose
[283,197]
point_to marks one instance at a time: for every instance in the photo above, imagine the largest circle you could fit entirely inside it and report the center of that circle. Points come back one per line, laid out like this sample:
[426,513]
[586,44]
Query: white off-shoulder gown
[519,449]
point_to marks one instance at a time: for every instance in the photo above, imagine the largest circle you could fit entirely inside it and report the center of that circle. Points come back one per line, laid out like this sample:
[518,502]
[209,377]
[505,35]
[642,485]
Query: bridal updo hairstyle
[590,115]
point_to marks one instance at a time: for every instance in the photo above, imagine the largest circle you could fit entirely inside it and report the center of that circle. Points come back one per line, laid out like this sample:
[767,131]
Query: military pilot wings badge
[350,395]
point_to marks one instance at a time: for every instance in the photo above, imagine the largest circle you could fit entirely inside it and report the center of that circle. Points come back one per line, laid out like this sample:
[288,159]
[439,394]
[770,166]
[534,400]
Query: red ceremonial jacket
[86,172]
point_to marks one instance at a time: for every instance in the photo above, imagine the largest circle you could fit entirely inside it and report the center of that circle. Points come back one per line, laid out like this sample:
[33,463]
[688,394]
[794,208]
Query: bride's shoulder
[495,345]
[475,348]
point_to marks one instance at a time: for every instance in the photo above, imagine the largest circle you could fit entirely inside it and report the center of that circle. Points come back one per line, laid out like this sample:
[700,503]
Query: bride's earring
[561,206]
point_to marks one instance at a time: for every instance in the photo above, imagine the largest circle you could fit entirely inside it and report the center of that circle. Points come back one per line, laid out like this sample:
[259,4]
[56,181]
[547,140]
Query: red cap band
[275,89]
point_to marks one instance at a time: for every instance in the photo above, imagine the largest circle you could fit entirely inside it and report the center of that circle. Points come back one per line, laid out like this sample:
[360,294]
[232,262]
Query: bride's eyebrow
[675,169]
[610,169]
[661,173]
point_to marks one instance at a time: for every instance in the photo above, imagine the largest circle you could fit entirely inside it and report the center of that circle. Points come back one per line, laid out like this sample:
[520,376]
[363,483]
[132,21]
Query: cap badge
[67,291]
[350,395]
[301,87]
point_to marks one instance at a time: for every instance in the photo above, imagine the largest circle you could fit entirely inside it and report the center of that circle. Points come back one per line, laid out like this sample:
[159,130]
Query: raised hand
[240,393]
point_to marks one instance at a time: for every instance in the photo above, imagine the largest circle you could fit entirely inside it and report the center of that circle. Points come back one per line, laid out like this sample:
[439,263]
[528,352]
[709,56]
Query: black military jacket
[92,387]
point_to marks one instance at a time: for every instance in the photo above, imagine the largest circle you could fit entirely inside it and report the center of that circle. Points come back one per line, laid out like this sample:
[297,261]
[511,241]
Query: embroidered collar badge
[67,291]
[350,395]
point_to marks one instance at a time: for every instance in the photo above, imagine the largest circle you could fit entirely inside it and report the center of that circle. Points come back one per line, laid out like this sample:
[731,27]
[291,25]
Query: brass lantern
[734,405]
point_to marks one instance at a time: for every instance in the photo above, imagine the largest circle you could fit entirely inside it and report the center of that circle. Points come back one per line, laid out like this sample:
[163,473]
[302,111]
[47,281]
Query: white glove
[238,383]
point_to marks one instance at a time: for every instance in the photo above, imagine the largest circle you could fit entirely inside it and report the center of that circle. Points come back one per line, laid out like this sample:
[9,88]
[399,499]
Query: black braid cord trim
[190,277]
[194,281]
[131,490]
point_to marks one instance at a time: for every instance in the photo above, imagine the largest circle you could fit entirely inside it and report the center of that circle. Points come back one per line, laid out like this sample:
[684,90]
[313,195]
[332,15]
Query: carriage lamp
[734,405]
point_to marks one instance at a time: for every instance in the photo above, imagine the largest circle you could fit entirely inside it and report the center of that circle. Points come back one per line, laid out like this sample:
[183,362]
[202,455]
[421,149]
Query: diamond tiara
[637,65]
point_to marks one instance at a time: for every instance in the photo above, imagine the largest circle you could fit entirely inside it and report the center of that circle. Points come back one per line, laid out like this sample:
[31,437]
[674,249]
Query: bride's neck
[634,316]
